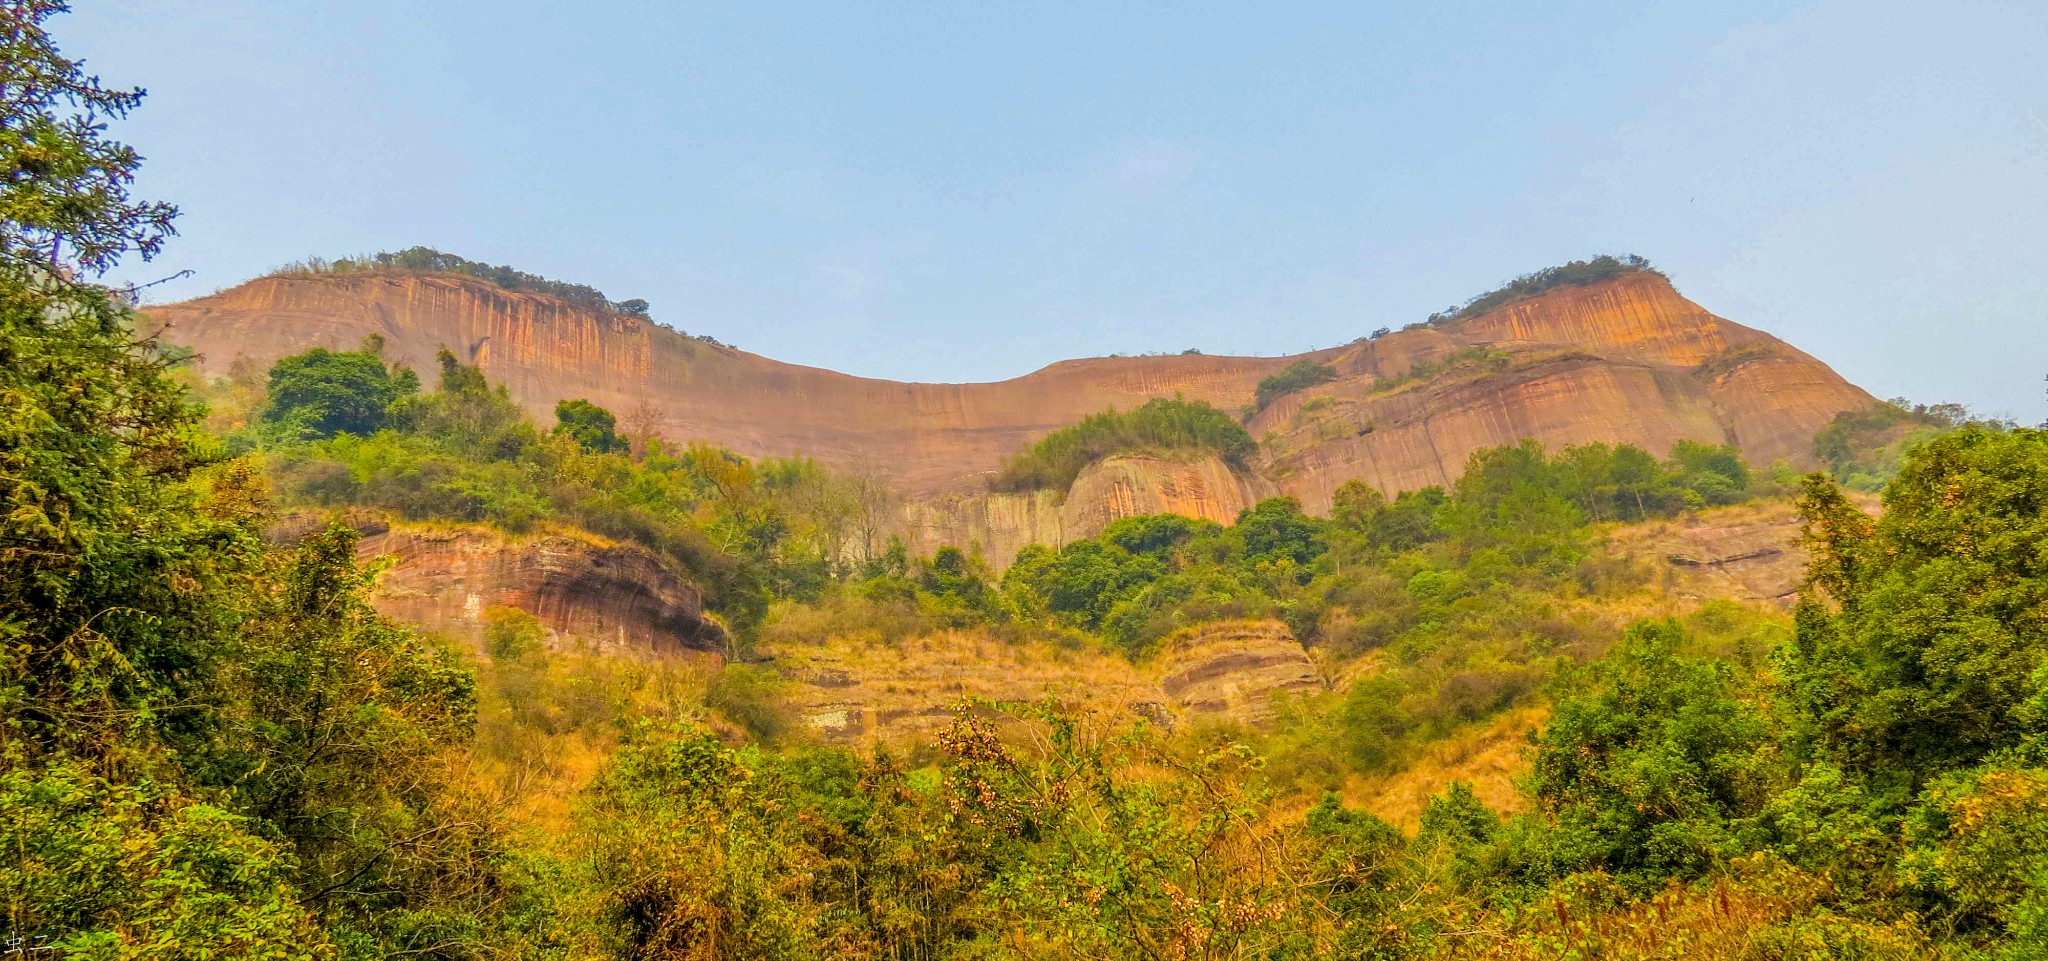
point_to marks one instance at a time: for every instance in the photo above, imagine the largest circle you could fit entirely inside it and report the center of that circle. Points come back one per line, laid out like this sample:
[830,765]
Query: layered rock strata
[581,589]
[903,693]
[1628,360]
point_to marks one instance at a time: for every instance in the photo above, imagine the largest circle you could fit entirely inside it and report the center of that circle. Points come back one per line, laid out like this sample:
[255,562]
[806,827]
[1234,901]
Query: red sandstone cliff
[1629,360]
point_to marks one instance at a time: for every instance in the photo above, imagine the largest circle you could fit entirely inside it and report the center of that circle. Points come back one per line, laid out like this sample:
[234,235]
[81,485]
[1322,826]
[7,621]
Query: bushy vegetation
[1864,449]
[1300,375]
[321,393]
[1578,273]
[592,427]
[1465,358]
[1159,426]
[1517,516]
[747,532]
[427,260]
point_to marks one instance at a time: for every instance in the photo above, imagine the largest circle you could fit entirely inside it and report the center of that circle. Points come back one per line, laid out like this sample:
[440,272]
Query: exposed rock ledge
[1234,668]
[579,586]
[851,690]
[1124,485]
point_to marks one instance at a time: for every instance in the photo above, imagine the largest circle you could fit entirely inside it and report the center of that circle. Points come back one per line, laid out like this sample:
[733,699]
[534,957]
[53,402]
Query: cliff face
[1106,492]
[1628,360]
[928,438]
[1751,552]
[609,595]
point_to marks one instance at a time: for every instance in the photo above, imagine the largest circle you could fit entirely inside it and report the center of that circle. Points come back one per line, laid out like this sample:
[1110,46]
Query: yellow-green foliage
[1157,426]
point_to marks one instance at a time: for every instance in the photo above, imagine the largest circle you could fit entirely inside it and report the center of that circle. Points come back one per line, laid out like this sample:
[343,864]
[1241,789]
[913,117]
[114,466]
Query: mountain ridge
[1623,360]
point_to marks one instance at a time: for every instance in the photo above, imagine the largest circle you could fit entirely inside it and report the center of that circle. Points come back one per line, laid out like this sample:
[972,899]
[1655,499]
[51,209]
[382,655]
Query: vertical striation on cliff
[1628,360]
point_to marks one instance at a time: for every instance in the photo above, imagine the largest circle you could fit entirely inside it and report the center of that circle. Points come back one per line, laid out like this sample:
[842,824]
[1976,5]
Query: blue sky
[971,191]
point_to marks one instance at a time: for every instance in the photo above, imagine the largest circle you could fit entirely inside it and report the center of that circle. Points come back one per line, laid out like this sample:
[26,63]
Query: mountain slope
[1627,360]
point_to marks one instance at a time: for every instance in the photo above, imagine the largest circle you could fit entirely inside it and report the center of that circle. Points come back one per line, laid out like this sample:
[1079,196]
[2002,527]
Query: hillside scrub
[1299,375]
[1466,358]
[1578,273]
[1864,449]
[747,532]
[1159,426]
[427,260]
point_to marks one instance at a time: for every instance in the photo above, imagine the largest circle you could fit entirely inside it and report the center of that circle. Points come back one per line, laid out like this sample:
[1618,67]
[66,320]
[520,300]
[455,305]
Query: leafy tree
[1078,584]
[100,869]
[117,570]
[1156,534]
[321,393]
[1715,472]
[1924,661]
[65,209]
[957,585]
[1620,483]
[466,414]
[590,426]
[1354,505]
[1513,498]
[1651,766]
[1412,520]
[1275,529]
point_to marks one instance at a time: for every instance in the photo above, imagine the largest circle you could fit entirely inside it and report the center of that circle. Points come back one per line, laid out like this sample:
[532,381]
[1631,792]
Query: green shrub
[1300,375]
[429,260]
[1578,273]
[1158,426]
[592,427]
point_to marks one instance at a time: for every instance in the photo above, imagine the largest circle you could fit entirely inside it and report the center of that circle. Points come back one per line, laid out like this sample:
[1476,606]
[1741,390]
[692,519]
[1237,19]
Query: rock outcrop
[1234,669]
[610,595]
[1751,552]
[1107,491]
[858,689]
[852,689]
[1627,360]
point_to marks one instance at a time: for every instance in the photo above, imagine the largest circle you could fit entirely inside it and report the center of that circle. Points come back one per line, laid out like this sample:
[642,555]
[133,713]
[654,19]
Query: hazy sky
[952,192]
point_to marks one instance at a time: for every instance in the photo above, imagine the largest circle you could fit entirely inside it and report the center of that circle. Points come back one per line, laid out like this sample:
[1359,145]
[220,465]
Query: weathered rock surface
[1234,669]
[1106,492]
[858,690]
[1752,552]
[1628,360]
[615,596]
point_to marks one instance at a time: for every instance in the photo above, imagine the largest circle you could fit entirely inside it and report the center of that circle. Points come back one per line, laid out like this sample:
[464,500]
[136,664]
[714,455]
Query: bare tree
[875,507]
[642,427]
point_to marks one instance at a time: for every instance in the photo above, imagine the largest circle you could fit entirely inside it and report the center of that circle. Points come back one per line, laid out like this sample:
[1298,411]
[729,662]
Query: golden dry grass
[1489,757]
